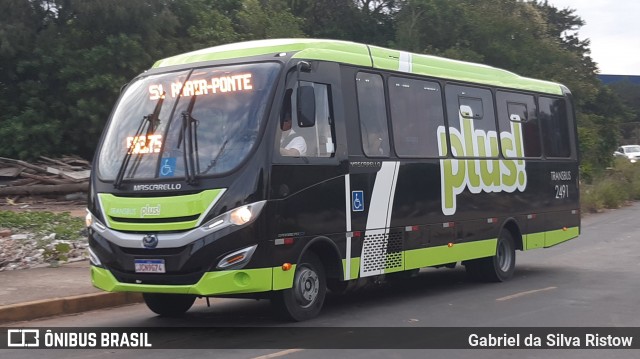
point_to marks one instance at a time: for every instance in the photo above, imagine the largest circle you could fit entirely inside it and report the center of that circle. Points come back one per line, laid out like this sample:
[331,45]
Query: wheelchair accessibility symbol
[167,167]
[357,201]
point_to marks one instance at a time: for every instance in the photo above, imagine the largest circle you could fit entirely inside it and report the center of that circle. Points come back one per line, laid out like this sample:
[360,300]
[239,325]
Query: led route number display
[144,145]
[222,84]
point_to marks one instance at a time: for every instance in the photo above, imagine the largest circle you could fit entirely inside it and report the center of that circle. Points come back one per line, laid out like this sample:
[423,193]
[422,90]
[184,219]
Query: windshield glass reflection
[194,123]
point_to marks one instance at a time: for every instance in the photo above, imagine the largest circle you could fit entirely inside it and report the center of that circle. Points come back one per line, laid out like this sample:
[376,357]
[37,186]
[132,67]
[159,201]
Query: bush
[590,200]
[613,192]
[613,188]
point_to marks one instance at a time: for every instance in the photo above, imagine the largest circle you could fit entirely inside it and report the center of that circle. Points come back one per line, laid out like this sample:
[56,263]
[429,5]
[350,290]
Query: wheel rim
[504,256]
[307,286]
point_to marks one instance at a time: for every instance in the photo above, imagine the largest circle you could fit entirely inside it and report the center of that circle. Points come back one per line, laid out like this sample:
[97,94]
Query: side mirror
[306,106]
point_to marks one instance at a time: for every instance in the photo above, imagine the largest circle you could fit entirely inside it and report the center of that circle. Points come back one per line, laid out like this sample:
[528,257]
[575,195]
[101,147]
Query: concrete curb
[67,305]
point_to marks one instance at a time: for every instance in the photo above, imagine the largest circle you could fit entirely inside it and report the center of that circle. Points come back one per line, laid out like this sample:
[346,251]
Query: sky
[614,30]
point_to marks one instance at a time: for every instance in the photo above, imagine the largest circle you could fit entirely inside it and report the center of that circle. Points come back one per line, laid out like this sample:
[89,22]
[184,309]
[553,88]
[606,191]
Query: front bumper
[210,284]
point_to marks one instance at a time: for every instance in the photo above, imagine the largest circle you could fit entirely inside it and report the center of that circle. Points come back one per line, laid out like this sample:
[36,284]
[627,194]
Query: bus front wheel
[305,298]
[168,305]
[498,268]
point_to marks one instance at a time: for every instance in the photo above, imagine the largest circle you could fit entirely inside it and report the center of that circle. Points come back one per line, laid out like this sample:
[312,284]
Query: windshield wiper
[215,159]
[190,150]
[149,121]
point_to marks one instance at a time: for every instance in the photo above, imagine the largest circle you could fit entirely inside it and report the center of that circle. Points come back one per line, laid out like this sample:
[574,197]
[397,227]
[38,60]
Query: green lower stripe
[354,270]
[427,257]
[533,240]
[211,283]
[552,238]
[395,262]
[549,238]
[283,279]
[266,279]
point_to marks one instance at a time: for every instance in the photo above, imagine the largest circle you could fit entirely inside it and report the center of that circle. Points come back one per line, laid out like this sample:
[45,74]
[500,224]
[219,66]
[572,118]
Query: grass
[39,226]
[63,225]
[613,188]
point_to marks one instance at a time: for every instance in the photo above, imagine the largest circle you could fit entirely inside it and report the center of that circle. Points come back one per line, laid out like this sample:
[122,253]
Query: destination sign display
[199,87]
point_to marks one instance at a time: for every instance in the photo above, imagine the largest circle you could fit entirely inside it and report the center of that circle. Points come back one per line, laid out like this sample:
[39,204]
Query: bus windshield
[186,124]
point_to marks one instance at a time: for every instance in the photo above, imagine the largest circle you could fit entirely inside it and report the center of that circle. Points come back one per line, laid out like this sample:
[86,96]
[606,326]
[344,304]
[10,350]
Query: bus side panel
[311,200]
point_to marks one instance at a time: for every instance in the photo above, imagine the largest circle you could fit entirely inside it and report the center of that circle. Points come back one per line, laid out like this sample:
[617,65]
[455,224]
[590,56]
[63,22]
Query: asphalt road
[591,281]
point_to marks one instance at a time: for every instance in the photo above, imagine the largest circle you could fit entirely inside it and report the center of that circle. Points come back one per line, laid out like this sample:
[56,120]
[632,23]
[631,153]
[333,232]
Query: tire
[305,298]
[168,305]
[498,268]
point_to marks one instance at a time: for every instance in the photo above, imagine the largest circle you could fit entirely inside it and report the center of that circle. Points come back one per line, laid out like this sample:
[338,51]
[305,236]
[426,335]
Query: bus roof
[368,56]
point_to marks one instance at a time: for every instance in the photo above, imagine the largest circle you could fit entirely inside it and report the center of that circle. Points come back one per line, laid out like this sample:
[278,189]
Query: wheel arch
[511,224]
[328,253]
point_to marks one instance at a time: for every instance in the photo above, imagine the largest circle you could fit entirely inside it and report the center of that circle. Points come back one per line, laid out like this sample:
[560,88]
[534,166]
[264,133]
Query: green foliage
[56,252]
[77,56]
[629,94]
[271,20]
[611,188]
[530,38]
[62,62]
[63,225]
[367,21]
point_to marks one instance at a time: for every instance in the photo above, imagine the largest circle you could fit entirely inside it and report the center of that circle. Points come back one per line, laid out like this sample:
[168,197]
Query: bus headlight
[236,217]
[90,220]
[240,215]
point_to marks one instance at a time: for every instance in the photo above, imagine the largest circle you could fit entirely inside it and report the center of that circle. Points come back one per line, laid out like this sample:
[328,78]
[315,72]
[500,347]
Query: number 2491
[562,191]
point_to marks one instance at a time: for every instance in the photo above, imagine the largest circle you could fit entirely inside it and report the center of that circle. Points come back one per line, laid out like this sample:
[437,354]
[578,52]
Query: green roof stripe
[367,56]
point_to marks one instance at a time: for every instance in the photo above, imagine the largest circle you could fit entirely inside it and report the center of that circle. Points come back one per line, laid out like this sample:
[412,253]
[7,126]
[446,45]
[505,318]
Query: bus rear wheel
[168,305]
[498,268]
[305,298]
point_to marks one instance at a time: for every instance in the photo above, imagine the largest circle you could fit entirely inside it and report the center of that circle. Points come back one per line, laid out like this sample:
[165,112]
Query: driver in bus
[291,143]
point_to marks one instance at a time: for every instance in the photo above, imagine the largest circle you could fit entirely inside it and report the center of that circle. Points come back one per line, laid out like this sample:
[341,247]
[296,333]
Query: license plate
[149,266]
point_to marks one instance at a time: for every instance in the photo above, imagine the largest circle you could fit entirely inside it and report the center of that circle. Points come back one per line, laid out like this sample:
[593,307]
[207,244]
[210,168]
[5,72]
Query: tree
[629,94]
[370,22]
[267,19]
[532,39]
[62,62]
[64,80]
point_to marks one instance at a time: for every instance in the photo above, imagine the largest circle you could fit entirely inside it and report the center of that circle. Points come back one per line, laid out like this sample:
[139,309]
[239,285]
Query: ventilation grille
[394,250]
[381,251]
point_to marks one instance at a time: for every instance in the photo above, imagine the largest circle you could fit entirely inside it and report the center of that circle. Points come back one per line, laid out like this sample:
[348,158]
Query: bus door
[372,181]
[309,155]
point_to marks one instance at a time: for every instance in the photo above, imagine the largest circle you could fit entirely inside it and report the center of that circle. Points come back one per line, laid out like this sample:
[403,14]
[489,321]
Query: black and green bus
[284,168]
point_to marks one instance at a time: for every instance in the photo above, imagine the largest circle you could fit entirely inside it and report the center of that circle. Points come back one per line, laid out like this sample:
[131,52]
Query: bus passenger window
[518,113]
[314,141]
[291,142]
[517,116]
[472,122]
[373,115]
[555,127]
[416,114]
